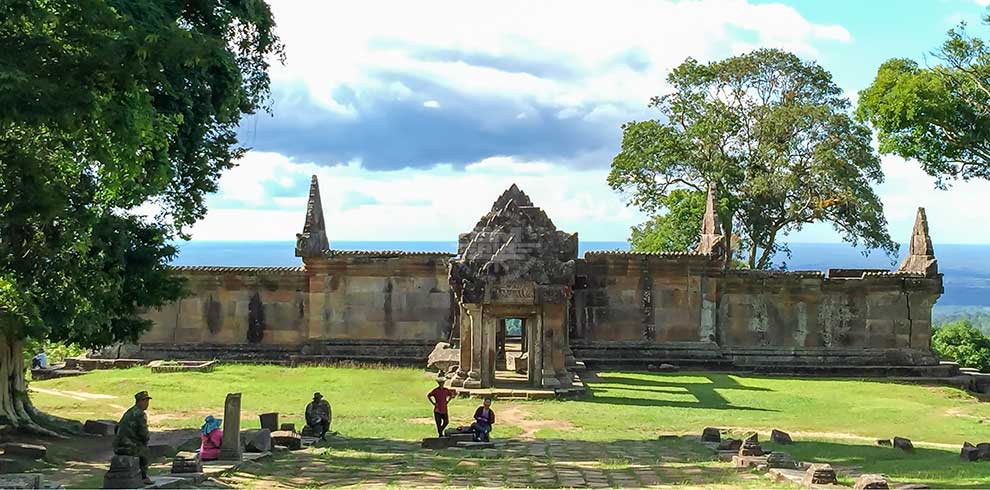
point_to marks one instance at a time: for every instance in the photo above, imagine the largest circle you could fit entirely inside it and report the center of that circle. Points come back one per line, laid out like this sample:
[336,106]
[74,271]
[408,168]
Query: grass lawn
[612,432]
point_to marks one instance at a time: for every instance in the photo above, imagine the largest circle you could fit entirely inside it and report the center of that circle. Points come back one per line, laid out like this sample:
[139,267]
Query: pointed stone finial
[313,242]
[921,254]
[711,230]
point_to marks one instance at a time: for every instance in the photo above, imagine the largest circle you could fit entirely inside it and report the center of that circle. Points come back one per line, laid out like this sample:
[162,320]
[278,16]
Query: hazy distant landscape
[966,271]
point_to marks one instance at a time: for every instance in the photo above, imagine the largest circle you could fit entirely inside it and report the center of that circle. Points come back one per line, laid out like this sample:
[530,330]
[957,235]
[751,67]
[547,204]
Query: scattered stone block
[884,442]
[187,462]
[903,444]
[287,439]
[100,427]
[287,426]
[463,437]
[751,448]
[754,437]
[711,434]
[29,451]
[871,482]
[663,368]
[780,437]
[476,445]
[819,474]
[436,443]
[782,460]
[260,442]
[269,421]
[983,449]
[156,451]
[969,452]
[125,472]
[748,461]
[730,445]
[230,446]
[20,481]
[443,357]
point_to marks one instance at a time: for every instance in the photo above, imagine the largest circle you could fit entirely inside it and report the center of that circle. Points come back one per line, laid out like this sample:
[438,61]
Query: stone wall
[345,304]
[642,308]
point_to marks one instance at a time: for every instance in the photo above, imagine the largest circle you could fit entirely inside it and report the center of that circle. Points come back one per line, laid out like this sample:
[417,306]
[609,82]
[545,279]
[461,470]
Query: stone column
[465,333]
[317,275]
[489,349]
[474,375]
[230,447]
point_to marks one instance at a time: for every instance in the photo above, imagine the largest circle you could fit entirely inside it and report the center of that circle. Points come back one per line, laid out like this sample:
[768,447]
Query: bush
[962,342]
[56,351]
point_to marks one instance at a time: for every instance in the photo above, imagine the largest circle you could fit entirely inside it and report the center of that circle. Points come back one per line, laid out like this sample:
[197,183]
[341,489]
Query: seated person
[318,416]
[211,437]
[484,419]
[40,361]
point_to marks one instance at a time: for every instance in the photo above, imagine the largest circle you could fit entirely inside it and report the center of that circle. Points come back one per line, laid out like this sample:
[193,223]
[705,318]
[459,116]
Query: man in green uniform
[318,416]
[131,438]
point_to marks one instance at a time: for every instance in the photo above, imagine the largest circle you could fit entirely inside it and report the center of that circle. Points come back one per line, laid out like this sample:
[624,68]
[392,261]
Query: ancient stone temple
[514,264]
[517,298]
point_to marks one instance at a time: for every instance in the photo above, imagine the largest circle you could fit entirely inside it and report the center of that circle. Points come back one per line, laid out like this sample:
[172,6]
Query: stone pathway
[513,464]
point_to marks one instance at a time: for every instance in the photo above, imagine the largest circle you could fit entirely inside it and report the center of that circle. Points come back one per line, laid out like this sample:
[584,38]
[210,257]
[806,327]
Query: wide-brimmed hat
[317,395]
[142,395]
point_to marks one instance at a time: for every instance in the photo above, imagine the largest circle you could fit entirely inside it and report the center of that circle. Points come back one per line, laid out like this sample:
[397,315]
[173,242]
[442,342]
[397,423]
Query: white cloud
[432,104]
[447,201]
[983,3]
[365,41]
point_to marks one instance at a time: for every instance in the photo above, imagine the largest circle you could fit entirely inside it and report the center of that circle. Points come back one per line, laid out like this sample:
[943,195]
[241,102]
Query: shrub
[962,342]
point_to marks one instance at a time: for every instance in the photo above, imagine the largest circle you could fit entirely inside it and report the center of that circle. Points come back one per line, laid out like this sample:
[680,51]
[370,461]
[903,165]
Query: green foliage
[774,136]
[939,116]
[108,106]
[56,352]
[676,230]
[961,342]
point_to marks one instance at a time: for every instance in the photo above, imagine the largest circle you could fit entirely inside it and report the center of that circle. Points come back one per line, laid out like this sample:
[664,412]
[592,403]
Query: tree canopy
[939,116]
[108,108]
[774,135]
[961,342]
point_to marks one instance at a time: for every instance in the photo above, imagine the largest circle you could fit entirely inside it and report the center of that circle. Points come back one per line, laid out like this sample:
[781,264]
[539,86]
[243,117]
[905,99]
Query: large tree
[108,106]
[939,116]
[774,135]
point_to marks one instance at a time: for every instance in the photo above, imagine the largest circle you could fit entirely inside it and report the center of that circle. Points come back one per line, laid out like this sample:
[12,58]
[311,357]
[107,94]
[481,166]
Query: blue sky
[416,116]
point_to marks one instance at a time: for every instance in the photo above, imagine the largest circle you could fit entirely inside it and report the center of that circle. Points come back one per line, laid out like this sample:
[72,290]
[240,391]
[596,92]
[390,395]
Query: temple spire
[921,254]
[711,230]
[312,242]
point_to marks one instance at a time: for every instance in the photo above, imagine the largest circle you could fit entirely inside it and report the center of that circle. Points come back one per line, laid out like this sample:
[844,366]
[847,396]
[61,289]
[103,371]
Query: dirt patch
[421,420]
[517,416]
[75,395]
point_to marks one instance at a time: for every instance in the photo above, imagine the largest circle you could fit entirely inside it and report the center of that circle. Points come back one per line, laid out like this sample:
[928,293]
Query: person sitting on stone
[131,437]
[484,419]
[439,397]
[211,436]
[318,416]
[39,361]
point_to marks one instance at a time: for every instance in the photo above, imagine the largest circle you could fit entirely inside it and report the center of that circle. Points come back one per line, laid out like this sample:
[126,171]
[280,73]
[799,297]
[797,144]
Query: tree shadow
[705,393]
[938,468]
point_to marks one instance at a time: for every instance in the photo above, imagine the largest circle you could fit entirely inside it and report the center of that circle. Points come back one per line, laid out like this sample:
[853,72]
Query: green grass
[831,420]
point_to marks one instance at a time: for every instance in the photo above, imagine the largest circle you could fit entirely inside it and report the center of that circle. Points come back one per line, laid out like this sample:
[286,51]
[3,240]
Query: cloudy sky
[417,115]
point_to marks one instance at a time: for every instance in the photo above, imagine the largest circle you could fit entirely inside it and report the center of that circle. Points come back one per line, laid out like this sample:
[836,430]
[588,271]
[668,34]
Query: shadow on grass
[704,392]
[545,463]
[939,468]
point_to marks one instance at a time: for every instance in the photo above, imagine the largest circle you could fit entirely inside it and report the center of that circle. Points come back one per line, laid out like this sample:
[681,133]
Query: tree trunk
[16,410]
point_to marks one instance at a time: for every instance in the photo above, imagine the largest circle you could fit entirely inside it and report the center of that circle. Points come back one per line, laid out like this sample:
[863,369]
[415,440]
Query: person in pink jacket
[211,437]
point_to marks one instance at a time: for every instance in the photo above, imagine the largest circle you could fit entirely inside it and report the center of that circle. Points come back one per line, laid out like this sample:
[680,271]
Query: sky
[416,116]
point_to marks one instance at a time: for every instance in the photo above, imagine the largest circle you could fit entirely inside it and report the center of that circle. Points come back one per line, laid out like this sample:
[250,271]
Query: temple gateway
[521,305]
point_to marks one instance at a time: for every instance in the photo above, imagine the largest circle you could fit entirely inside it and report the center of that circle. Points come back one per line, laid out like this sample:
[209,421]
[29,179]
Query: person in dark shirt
[439,397]
[484,419]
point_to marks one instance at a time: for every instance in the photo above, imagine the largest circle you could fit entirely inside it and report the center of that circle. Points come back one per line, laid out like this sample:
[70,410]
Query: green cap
[142,395]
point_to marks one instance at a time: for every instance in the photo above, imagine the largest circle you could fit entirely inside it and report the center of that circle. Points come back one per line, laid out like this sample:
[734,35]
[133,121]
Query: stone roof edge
[389,253]
[229,269]
[626,253]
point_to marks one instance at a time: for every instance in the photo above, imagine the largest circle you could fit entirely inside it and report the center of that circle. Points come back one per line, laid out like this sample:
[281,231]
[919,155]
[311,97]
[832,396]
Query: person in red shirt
[211,437]
[439,397]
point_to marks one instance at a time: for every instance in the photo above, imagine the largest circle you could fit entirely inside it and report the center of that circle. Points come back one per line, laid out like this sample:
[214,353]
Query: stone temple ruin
[517,291]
